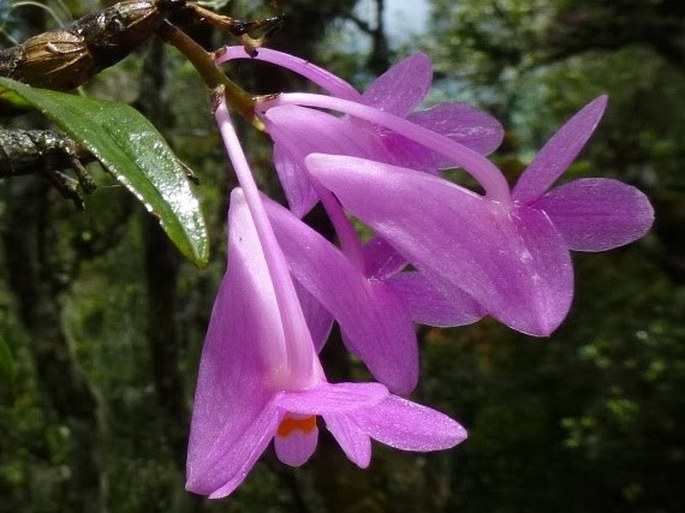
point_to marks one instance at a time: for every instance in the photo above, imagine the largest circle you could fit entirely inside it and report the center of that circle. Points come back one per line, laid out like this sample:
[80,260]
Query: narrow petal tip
[400,89]
[559,152]
[409,426]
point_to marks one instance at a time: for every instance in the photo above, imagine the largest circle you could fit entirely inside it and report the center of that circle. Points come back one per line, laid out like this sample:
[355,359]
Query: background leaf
[130,147]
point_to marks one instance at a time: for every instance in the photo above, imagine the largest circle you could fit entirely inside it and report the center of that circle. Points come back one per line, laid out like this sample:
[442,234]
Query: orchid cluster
[440,255]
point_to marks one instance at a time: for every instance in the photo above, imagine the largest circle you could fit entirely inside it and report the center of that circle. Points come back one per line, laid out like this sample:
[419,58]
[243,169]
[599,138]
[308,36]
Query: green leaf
[134,152]
[6,370]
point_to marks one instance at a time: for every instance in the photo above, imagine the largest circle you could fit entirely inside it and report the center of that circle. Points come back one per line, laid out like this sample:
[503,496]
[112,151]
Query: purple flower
[399,91]
[260,378]
[511,254]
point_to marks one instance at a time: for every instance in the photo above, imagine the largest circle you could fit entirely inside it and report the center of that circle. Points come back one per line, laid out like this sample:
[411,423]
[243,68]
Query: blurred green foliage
[6,369]
[589,420]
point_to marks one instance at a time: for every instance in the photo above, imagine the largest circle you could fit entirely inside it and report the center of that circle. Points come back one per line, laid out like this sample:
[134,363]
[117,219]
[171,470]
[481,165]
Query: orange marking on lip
[290,424]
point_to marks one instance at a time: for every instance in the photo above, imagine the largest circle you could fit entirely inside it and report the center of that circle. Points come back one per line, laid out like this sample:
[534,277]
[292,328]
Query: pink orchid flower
[510,252]
[260,378]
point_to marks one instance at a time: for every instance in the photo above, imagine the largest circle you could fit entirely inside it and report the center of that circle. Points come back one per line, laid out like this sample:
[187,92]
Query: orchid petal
[381,260]
[297,447]
[230,388]
[320,132]
[294,181]
[462,123]
[597,214]
[352,440]
[319,320]
[518,269]
[400,89]
[298,131]
[269,299]
[410,154]
[376,324]
[377,327]
[233,416]
[235,455]
[329,398]
[431,306]
[557,155]
[409,426]
[542,252]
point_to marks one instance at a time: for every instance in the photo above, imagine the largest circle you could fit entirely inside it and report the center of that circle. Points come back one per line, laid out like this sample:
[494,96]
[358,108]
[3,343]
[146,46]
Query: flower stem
[203,62]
